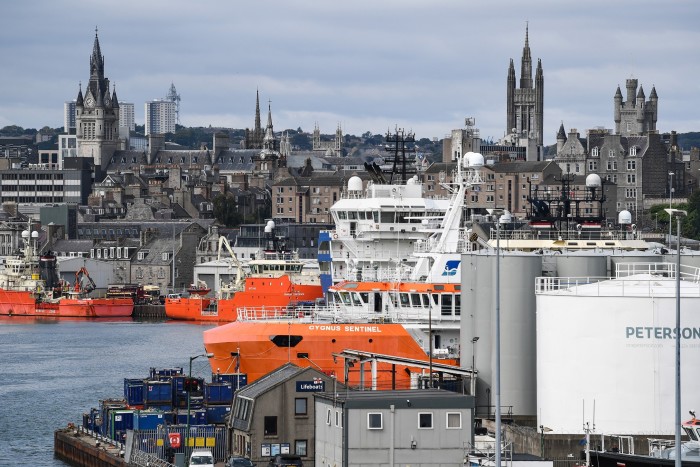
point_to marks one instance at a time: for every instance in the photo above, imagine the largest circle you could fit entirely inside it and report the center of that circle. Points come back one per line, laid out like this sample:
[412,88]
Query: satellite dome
[270,226]
[35,234]
[593,181]
[505,217]
[625,217]
[413,180]
[355,183]
[474,159]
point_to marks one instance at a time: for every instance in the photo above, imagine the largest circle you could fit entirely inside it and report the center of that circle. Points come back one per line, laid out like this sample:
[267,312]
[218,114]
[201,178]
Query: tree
[226,210]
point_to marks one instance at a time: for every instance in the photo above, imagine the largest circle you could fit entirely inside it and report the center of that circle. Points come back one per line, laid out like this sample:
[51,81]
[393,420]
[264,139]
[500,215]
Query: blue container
[158,393]
[155,373]
[218,393]
[216,414]
[200,417]
[119,422]
[134,391]
[237,380]
[149,420]
[178,383]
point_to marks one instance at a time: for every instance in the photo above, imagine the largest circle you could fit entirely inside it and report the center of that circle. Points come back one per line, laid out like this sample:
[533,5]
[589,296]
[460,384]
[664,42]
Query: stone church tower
[97,115]
[525,104]
[634,117]
[254,138]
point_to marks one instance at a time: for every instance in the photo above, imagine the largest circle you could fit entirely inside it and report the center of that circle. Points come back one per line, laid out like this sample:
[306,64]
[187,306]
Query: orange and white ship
[411,310]
[29,286]
[275,279]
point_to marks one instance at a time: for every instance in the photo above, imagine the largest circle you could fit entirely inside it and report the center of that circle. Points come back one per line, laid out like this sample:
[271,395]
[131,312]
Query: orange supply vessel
[29,286]
[276,279]
[258,347]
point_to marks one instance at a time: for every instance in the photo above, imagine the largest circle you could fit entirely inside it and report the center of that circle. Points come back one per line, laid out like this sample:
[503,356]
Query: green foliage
[689,140]
[226,210]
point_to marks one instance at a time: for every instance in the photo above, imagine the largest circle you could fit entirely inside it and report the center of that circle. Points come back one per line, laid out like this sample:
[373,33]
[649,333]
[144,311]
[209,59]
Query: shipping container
[158,393]
[147,420]
[218,393]
[237,380]
[217,414]
[134,391]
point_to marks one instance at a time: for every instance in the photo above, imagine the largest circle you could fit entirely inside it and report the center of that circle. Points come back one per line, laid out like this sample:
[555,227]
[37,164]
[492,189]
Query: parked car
[285,460]
[237,461]
[202,458]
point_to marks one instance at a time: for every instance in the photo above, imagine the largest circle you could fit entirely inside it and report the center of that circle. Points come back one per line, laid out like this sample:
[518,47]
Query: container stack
[161,399]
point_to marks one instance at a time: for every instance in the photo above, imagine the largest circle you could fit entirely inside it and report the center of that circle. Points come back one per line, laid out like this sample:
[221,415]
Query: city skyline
[423,66]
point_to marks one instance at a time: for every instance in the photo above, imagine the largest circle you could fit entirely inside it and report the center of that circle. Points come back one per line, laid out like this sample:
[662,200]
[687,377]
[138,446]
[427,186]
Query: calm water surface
[55,370]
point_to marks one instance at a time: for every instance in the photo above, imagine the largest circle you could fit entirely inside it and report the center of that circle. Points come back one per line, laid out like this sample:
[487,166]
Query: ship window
[426,300]
[403,297]
[415,300]
[458,304]
[342,215]
[394,301]
[336,298]
[352,215]
[286,340]
[365,297]
[439,287]
[356,299]
[345,298]
[446,309]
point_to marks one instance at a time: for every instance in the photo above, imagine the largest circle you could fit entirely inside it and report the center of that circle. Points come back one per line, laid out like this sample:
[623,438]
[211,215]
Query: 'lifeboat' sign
[317,385]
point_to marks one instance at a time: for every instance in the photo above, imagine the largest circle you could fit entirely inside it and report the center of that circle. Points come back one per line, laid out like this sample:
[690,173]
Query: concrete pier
[80,449]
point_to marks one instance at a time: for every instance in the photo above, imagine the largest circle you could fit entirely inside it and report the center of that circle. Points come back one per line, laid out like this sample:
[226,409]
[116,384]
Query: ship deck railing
[545,234]
[631,280]
[337,314]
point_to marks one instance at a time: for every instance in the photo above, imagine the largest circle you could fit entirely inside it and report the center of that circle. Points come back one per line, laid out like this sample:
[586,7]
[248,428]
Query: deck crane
[223,242]
[78,287]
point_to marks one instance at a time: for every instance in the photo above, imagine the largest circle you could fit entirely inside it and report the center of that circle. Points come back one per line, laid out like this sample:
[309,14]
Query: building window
[374,421]
[454,420]
[338,418]
[631,178]
[633,151]
[270,426]
[300,447]
[631,165]
[300,406]
[592,166]
[425,420]
[328,417]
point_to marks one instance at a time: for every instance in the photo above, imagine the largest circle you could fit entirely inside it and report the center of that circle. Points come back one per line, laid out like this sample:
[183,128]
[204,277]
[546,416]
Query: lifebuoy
[335,236]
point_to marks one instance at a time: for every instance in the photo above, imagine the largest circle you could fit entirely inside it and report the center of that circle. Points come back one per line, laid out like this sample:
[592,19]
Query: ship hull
[23,303]
[278,292]
[259,347]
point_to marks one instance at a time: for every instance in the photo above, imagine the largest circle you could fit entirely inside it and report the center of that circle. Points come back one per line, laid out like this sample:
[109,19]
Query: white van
[202,458]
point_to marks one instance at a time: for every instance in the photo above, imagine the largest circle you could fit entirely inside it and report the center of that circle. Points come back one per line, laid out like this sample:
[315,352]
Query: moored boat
[29,286]
[276,279]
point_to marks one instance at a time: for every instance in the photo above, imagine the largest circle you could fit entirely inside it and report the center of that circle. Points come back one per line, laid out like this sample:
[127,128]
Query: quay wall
[149,312]
[80,450]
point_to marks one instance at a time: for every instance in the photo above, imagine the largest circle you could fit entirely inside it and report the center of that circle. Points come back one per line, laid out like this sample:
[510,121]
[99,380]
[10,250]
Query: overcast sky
[366,65]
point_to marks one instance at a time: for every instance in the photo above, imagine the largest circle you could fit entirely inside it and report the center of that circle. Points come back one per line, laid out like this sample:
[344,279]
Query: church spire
[526,65]
[257,111]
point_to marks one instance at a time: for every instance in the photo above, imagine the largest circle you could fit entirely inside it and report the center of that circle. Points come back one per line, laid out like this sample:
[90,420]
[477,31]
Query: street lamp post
[189,377]
[678,213]
[497,380]
[670,206]
[474,339]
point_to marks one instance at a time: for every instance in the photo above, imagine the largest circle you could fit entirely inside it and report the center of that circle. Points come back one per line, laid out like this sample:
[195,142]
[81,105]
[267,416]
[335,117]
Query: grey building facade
[414,427]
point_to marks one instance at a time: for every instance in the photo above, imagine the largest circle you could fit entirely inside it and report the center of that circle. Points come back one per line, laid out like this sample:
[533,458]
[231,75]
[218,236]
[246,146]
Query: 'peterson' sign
[317,385]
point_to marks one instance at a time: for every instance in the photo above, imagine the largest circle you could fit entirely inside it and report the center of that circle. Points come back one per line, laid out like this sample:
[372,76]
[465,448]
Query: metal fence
[155,447]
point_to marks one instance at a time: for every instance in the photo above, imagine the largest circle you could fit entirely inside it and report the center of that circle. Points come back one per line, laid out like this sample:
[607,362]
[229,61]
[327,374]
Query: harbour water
[55,370]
